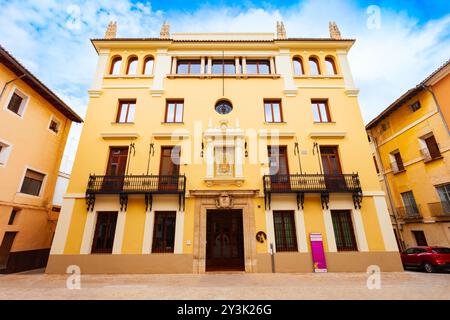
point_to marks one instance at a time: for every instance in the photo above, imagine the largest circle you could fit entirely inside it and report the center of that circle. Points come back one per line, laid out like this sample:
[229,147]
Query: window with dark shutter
[32,183]
[164,232]
[343,230]
[285,236]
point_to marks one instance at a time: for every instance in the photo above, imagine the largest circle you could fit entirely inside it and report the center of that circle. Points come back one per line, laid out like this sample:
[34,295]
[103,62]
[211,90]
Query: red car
[429,259]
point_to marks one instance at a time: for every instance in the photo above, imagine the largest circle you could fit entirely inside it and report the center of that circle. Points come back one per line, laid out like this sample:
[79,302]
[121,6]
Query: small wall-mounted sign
[261,236]
[318,254]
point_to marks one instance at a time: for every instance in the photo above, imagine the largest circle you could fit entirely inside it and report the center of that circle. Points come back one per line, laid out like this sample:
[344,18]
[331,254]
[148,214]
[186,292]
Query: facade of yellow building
[411,144]
[208,151]
[34,124]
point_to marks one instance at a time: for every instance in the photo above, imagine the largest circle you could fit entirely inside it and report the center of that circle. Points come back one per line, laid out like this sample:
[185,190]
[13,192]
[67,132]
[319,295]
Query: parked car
[429,259]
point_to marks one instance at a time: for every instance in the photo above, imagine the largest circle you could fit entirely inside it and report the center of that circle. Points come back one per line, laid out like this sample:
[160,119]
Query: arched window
[148,66]
[314,66]
[298,66]
[132,65]
[331,67]
[115,66]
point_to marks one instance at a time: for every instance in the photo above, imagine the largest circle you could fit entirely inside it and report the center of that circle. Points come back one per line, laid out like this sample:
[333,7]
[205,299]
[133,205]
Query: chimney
[281,31]
[165,31]
[334,31]
[111,31]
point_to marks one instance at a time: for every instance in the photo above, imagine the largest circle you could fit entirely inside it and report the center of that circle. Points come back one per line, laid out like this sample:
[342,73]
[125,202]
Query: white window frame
[23,105]
[44,182]
[54,118]
[5,152]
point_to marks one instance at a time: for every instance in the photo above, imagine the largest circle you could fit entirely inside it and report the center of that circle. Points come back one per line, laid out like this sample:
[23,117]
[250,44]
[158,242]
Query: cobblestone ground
[404,285]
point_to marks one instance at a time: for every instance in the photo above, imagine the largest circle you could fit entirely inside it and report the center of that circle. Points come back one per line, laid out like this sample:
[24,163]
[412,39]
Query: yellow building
[34,124]
[208,151]
[411,146]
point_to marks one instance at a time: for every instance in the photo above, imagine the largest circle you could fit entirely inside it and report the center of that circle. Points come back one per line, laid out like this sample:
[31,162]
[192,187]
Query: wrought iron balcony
[409,213]
[440,209]
[313,183]
[123,186]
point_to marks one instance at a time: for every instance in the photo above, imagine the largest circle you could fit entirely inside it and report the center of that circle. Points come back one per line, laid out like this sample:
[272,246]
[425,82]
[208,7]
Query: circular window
[223,107]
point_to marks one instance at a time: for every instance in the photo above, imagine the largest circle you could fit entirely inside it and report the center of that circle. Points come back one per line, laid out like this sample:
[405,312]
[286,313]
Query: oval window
[223,107]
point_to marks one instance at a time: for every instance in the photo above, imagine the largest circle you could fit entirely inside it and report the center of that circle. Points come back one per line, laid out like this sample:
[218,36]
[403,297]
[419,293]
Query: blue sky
[51,37]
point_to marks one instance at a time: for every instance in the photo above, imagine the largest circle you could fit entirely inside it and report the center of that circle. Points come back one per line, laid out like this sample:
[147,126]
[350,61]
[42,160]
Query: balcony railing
[409,212]
[313,183]
[135,184]
[440,209]
[123,186]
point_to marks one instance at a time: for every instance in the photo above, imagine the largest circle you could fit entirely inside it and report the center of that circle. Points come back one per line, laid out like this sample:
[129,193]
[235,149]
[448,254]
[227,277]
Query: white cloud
[385,61]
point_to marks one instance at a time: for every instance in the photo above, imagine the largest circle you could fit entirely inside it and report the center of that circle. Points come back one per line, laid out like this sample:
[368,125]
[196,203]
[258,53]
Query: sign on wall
[318,253]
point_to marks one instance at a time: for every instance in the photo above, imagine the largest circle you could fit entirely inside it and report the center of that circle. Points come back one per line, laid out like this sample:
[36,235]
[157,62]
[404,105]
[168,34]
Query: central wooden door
[334,179]
[279,168]
[224,240]
[115,171]
[169,169]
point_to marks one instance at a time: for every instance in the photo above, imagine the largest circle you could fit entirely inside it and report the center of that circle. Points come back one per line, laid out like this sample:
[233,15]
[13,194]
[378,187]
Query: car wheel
[428,267]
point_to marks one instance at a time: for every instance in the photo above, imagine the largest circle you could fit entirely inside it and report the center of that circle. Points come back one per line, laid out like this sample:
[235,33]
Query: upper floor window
[321,111]
[415,106]
[132,66]
[396,162]
[430,149]
[126,111]
[17,103]
[54,125]
[331,66]
[174,111]
[314,66]
[410,204]
[116,64]
[223,67]
[148,66]
[272,110]
[5,150]
[32,183]
[258,67]
[298,66]
[188,66]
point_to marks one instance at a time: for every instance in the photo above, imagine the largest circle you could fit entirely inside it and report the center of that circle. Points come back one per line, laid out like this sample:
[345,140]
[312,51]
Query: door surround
[224,199]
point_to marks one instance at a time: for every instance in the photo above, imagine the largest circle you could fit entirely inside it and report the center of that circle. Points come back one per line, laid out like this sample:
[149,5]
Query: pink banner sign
[318,254]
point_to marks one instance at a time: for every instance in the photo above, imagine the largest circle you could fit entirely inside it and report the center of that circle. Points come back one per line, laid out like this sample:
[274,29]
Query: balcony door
[169,169]
[279,168]
[115,171]
[334,179]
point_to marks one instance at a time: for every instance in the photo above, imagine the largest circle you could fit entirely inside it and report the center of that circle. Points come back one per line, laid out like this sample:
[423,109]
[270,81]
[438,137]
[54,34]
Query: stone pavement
[401,285]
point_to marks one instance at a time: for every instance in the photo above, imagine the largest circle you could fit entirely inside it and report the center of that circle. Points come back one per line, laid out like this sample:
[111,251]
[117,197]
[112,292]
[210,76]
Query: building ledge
[130,135]
[214,181]
[328,134]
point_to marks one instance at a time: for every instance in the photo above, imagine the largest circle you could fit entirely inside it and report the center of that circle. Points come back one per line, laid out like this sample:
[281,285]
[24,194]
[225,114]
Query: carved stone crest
[224,201]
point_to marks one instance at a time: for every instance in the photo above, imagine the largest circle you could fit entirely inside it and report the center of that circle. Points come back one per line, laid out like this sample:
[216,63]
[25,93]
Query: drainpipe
[8,83]
[430,90]
[388,189]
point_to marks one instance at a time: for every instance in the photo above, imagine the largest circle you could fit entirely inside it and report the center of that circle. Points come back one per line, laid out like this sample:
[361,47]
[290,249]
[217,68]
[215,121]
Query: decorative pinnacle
[281,31]
[334,31]
[111,31]
[165,31]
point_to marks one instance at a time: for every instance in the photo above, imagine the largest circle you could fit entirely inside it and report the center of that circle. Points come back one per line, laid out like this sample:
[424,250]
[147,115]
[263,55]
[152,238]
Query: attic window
[415,106]
[54,125]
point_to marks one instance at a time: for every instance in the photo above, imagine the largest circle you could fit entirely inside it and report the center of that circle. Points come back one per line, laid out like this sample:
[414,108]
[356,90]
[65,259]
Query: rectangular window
[16,103]
[376,164]
[12,217]
[258,67]
[188,66]
[419,236]
[32,183]
[433,148]
[174,111]
[223,67]
[105,230]
[321,111]
[343,230]
[126,111]
[397,163]
[5,150]
[164,232]
[54,125]
[410,204]
[285,236]
[415,106]
[272,111]
[444,196]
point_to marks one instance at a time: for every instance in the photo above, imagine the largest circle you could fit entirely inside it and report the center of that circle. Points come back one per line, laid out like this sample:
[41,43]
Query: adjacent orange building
[34,125]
